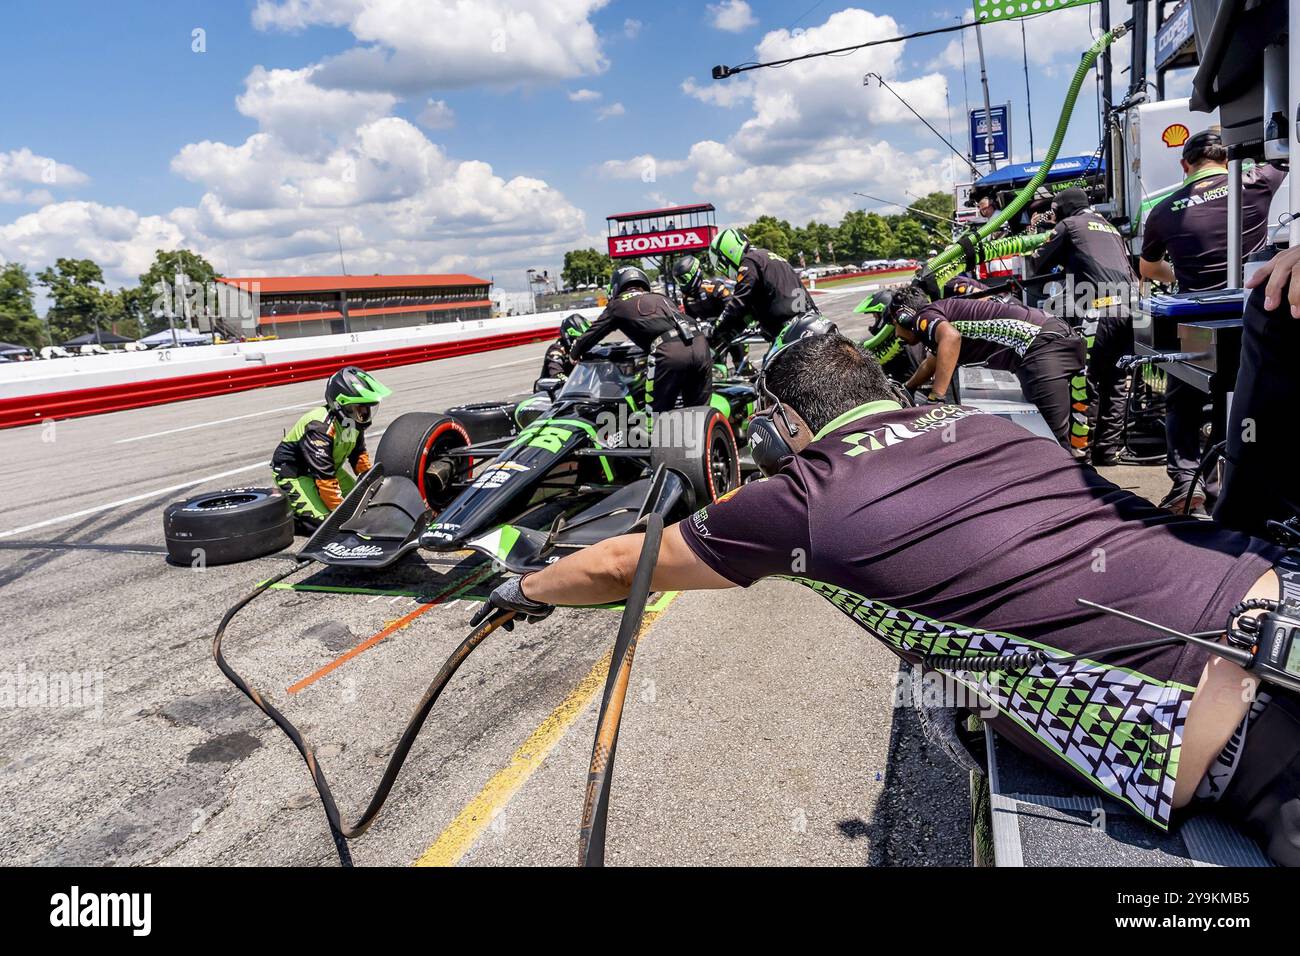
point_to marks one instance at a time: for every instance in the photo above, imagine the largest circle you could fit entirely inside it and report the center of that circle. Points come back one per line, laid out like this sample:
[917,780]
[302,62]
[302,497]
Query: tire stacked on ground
[222,527]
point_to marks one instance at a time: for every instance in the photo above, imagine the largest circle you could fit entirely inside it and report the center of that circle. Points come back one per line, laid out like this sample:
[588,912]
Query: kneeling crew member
[558,362]
[768,291]
[309,462]
[947,531]
[679,364]
[1041,350]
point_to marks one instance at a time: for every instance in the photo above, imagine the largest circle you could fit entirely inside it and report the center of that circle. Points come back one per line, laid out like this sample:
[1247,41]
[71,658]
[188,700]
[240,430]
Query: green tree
[78,299]
[941,204]
[148,303]
[589,265]
[19,323]
[772,234]
[911,238]
[878,240]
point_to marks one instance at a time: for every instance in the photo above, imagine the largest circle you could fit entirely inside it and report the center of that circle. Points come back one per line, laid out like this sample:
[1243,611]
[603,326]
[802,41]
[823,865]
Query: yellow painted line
[464,831]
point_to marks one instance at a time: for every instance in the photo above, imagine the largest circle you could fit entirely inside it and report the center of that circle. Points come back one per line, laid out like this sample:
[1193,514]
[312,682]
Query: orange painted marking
[453,589]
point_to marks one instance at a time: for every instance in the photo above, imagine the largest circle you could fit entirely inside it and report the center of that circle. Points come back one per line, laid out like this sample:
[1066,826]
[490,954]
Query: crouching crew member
[1041,350]
[311,463]
[768,291]
[558,361]
[679,365]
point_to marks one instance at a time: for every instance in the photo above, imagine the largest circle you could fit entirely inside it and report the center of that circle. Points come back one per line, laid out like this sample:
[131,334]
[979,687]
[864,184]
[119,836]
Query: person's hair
[823,376]
[912,297]
[1205,147]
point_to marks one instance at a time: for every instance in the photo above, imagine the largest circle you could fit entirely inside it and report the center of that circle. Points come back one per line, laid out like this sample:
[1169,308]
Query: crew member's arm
[737,309]
[924,372]
[1279,272]
[947,351]
[1151,263]
[603,573]
[318,452]
[360,457]
[603,325]
[1051,253]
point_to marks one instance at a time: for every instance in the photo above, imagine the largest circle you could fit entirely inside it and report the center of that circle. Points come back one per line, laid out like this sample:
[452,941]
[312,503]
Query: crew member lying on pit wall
[943,530]
[311,463]
[1043,352]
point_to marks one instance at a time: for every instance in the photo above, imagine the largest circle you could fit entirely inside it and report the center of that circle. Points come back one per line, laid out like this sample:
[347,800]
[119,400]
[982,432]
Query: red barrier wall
[31,409]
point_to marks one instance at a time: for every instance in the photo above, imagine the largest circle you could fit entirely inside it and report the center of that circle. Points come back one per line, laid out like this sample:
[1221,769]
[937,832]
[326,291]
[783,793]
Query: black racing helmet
[352,393]
[688,274]
[572,328]
[626,277]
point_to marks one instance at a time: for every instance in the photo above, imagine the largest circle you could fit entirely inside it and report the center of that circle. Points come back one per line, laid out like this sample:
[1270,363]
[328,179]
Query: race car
[527,483]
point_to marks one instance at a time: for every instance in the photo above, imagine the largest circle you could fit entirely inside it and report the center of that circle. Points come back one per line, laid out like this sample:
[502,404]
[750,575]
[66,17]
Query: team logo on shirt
[697,522]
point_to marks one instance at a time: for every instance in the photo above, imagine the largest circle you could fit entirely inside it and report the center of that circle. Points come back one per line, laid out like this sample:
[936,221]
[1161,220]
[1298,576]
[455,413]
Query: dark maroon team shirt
[1191,225]
[994,333]
[945,530]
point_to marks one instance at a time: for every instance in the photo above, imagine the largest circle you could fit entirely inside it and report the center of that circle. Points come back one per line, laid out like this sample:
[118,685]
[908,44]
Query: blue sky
[303,117]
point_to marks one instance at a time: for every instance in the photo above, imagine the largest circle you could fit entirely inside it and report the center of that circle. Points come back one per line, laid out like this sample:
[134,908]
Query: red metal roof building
[291,306]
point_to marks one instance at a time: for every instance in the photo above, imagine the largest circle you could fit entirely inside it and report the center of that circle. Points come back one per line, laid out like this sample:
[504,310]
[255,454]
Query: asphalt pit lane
[334,635]
[227,748]
[216,711]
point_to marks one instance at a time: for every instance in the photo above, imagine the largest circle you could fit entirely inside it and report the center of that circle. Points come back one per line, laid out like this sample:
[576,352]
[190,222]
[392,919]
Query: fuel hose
[600,773]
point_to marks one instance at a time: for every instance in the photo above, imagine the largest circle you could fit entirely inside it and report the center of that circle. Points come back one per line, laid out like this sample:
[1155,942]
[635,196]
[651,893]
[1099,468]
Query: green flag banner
[987,11]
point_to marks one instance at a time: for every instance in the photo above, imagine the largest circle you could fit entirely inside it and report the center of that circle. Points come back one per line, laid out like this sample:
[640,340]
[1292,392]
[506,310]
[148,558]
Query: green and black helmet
[572,328]
[688,274]
[727,249]
[351,393]
[876,305]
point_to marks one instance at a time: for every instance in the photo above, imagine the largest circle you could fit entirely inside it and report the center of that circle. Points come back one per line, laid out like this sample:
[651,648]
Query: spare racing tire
[222,527]
[485,421]
[699,445]
[415,445]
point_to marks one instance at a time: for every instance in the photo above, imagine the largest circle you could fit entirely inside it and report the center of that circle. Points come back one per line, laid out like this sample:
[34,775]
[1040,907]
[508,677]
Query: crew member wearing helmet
[1041,350]
[680,365]
[309,462]
[704,298]
[558,362]
[1100,285]
[768,290]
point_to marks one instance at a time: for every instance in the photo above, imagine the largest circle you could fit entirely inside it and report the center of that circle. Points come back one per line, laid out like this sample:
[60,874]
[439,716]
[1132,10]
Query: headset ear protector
[905,316]
[769,442]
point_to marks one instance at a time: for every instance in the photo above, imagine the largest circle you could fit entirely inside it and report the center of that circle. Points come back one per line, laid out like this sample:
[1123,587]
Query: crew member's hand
[1281,270]
[509,596]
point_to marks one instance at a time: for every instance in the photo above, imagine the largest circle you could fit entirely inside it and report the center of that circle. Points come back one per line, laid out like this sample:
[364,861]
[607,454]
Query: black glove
[509,596]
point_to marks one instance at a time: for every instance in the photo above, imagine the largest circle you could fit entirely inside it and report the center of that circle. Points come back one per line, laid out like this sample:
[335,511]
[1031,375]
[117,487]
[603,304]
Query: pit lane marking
[219,421]
[508,364]
[451,591]
[464,831]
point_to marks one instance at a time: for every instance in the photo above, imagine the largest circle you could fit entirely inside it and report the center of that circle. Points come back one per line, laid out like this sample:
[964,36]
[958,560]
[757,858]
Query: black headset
[769,443]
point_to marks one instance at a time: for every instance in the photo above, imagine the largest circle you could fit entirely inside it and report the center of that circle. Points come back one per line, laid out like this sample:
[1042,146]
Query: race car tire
[222,527]
[414,447]
[485,421]
[699,445]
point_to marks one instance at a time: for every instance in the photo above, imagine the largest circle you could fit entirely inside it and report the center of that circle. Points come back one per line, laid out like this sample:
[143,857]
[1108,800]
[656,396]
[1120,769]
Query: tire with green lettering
[415,446]
[699,445]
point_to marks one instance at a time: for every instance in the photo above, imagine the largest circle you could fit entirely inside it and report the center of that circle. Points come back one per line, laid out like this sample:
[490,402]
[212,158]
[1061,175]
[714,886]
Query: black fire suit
[556,363]
[707,303]
[1100,284]
[768,291]
[680,365]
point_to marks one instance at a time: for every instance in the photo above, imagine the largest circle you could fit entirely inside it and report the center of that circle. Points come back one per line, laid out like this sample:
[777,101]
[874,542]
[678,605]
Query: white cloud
[21,170]
[645,167]
[734,16]
[120,240]
[303,114]
[584,96]
[437,115]
[408,46]
[610,111]
[632,28]
[728,92]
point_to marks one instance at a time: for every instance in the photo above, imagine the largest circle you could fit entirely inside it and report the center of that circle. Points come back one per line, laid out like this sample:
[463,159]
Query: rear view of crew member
[1191,226]
[558,360]
[768,291]
[679,365]
[312,462]
[703,297]
[1091,252]
[1041,350]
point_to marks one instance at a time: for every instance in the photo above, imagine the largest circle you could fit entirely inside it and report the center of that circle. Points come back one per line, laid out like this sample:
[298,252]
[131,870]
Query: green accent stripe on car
[721,404]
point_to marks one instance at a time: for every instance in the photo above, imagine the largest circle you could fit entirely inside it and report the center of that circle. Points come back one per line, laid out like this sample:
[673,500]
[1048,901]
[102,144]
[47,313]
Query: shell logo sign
[1175,135]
